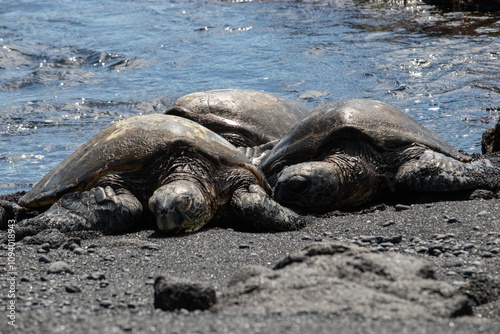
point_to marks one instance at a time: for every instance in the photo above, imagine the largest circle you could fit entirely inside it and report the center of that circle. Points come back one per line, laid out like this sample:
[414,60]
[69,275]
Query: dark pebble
[487,254]
[96,276]
[482,213]
[109,258]
[495,250]
[416,240]
[106,303]
[459,252]
[435,252]
[402,207]
[72,243]
[243,246]
[389,223]
[395,240]
[44,259]
[455,263]
[78,251]
[468,246]
[103,284]
[452,220]
[422,249]
[469,271]
[372,239]
[436,246]
[25,279]
[59,267]
[71,288]
[307,237]
[151,246]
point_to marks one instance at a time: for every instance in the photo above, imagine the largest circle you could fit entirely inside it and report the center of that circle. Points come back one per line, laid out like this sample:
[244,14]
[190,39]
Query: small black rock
[72,243]
[71,288]
[394,240]
[151,246]
[174,294]
[469,271]
[402,207]
[44,259]
[103,284]
[487,254]
[97,276]
[389,223]
[106,303]
[59,267]
[468,246]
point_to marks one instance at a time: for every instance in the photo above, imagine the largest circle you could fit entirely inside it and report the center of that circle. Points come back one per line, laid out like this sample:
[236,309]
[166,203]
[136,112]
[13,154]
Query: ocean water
[70,69]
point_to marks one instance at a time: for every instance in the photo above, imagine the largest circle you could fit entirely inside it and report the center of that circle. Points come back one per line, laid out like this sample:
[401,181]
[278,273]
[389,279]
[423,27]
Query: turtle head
[310,185]
[180,206]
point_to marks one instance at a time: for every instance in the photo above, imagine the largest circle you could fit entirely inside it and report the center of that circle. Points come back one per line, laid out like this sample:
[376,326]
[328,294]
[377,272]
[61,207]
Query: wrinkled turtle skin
[353,151]
[185,173]
[246,118]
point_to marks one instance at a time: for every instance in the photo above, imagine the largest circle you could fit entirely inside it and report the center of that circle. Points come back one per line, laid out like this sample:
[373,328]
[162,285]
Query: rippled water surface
[69,69]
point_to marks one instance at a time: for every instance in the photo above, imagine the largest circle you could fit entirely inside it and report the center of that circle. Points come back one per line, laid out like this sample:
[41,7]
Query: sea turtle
[350,152]
[250,119]
[185,173]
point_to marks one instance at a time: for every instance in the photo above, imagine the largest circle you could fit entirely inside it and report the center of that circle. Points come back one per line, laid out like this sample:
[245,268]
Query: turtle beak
[169,221]
[169,212]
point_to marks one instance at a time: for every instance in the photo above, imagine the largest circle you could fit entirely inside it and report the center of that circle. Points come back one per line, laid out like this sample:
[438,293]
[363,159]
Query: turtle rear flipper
[97,209]
[435,172]
[255,208]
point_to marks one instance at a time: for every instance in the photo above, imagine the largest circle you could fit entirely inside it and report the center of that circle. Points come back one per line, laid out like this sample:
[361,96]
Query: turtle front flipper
[96,209]
[434,172]
[256,208]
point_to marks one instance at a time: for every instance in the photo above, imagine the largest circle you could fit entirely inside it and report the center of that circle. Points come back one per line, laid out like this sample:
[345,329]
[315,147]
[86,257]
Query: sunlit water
[69,69]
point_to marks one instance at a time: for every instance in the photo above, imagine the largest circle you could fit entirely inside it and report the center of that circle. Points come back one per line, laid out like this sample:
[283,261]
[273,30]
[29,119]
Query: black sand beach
[110,284]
